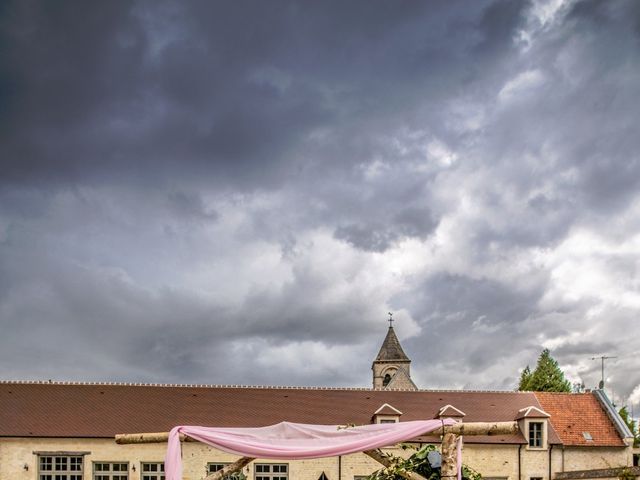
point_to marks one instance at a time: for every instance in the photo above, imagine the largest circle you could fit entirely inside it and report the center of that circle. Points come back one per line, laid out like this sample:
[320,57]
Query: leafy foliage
[624,414]
[418,463]
[547,377]
[236,476]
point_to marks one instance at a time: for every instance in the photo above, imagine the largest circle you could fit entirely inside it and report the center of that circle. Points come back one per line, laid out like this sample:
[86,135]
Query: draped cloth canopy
[297,441]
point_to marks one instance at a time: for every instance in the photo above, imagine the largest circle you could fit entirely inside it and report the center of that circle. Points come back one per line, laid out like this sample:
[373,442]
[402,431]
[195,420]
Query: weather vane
[390,319]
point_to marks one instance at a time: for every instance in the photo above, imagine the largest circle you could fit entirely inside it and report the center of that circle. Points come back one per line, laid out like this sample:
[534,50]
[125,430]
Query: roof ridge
[174,385]
[239,386]
[560,393]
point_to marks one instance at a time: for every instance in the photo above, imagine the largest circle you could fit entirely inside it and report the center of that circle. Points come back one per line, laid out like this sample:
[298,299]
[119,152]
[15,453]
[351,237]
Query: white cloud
[521,86]
[634,398]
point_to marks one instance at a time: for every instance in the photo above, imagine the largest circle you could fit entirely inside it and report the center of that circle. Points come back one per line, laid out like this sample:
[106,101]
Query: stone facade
[511,462]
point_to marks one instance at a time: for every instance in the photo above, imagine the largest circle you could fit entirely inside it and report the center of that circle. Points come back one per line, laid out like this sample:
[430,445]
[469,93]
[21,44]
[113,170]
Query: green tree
[547,377]
[525,379]
[624,414]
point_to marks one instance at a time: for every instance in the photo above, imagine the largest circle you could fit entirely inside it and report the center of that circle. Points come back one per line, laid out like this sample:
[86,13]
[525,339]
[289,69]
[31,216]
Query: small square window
[216,467]
[60,467]
[105,471]
[153,471]
[271,471]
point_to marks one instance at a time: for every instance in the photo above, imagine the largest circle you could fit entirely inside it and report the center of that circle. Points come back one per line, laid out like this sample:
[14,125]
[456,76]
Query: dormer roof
[531,412]
[449,411]
[391,351]
[386,409]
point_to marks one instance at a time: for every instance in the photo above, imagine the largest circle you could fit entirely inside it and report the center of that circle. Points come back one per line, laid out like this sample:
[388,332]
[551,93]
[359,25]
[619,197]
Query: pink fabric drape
[296,441]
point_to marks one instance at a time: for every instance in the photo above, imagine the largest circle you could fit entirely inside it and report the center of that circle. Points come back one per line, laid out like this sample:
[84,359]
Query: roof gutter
[613,415]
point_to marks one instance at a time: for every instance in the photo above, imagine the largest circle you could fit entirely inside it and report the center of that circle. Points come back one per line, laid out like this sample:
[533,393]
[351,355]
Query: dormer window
[449,411]
[386,414]
[535,434]
[533,423]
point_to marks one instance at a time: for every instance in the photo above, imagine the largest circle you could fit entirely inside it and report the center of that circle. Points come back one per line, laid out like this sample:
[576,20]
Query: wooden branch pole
[448,465]
[481,428]
[449,434]
[159,437]
[449,447]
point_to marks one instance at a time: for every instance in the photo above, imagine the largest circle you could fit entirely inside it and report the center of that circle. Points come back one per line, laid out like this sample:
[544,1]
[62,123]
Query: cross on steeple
[390,319]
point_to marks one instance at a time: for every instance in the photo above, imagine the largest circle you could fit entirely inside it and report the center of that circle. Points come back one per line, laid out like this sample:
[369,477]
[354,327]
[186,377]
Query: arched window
[386,380]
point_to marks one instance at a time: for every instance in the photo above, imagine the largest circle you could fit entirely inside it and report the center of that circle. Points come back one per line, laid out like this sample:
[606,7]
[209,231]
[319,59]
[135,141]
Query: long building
[65,431]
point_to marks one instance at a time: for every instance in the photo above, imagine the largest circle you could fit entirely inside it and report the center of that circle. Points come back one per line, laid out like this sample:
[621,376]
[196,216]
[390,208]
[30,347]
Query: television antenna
[602,358]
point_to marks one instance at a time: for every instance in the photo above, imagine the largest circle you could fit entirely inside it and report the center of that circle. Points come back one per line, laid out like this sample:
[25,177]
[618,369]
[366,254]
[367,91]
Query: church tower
[391,366]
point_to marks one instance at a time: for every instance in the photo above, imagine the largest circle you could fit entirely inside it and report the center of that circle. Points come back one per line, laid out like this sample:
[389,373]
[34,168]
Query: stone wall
[490,460]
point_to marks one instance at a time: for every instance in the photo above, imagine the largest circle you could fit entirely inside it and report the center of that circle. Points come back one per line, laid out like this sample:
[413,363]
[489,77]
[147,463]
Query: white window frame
[111,473]
[56,470]
[150,474]
[531,435]
[387,418]
[273,471]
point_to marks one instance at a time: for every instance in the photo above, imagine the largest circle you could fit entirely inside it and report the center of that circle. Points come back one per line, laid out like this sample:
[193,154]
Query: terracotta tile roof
[575,413]
[33,409]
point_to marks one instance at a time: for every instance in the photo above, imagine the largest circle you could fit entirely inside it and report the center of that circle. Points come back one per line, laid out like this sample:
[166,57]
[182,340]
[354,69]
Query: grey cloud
[376,237]
[169,170]
[191,205]
[152,89]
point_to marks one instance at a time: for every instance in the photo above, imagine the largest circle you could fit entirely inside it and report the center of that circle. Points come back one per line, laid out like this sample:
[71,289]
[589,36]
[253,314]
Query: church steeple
[391,350]
[391,368]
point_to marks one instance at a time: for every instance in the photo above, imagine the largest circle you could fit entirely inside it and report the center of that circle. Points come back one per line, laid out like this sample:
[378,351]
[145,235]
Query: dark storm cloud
[376,237]
[190,205]
[145,89]
[238,192]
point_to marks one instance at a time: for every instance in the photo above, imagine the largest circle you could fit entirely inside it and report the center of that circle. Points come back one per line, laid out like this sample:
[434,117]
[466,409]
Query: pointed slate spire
[391,350]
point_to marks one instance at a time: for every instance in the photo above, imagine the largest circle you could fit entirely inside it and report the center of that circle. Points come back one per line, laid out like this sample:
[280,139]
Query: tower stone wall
[392,368]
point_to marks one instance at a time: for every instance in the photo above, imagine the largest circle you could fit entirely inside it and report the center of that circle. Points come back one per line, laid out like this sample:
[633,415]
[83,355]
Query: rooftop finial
[390,319]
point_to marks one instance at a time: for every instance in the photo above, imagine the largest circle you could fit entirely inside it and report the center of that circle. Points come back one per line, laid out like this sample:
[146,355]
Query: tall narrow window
[60,467]
[535,434]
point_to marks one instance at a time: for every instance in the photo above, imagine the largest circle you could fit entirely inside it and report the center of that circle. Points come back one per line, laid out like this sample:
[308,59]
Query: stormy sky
[238,192]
